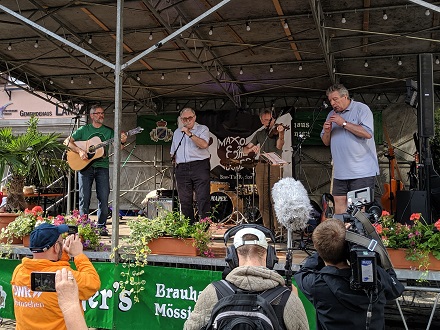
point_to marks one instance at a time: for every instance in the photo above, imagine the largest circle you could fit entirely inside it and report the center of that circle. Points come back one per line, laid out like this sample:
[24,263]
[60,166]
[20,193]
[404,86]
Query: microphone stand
[69,180]
[288,265]
[173,172]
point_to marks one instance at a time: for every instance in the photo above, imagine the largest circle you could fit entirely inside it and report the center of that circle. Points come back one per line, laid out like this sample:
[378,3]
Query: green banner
[168,296]
[158,130]
[309,124]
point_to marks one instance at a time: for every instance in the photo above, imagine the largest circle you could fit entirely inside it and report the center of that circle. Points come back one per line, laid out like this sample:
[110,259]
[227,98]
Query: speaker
[409,202]
[158,206]
[426,95]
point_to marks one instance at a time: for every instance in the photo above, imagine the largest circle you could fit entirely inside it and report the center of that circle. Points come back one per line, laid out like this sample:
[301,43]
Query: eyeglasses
[98,113]
[187,118]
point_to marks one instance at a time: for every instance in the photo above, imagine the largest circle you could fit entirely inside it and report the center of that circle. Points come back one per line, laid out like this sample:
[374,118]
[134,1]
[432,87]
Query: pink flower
[437,224]
[385,213]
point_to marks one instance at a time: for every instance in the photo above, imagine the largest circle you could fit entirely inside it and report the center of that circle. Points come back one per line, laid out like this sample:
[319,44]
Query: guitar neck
[103,144]
[100,145]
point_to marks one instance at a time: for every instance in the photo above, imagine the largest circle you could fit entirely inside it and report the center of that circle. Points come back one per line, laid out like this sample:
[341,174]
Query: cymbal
[230,162]
[249,163]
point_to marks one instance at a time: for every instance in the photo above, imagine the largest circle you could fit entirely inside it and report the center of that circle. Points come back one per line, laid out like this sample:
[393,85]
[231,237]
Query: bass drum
[223,204]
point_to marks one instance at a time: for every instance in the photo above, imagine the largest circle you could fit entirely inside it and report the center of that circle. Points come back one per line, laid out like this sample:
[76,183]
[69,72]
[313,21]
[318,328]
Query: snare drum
[223,204]
[218,186]
[247,189]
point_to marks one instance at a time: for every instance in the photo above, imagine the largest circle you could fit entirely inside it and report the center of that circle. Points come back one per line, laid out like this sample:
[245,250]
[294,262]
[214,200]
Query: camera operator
[325,281]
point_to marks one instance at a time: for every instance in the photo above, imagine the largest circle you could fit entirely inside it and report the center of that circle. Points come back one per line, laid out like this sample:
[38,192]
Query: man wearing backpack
[251,280]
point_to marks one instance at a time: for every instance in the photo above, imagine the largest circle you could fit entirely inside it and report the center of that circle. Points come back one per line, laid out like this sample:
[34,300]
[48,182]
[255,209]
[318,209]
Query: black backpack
[243,310]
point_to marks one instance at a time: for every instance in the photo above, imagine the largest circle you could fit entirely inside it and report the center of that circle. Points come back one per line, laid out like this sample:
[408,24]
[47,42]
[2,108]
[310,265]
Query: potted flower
[420,240]
[169,226]
[88,229]
[23,225]
[145,232]
[32,158]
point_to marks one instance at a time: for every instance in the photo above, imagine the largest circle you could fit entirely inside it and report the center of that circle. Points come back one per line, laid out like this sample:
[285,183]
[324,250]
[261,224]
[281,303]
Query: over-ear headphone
[231,252]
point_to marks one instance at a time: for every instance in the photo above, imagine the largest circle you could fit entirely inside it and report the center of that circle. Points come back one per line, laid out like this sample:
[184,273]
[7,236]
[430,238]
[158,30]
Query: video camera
[363,259]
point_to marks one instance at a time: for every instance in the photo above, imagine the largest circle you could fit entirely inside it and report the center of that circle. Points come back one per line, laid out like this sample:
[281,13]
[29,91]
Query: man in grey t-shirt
[349,131]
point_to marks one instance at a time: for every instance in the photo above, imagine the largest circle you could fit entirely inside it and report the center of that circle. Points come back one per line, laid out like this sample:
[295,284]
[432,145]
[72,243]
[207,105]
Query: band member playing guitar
[98,170]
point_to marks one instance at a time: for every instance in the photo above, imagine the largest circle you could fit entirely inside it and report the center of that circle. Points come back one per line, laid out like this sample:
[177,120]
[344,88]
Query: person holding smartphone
[50,253]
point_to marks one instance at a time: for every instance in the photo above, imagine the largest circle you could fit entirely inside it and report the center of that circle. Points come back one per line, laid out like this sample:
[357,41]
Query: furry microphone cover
[291,203]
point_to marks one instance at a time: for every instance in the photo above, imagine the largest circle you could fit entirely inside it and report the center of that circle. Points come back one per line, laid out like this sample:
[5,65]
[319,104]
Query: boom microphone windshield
[291,203]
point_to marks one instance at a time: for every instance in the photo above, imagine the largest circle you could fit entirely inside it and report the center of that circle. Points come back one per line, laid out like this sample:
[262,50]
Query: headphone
[231,252]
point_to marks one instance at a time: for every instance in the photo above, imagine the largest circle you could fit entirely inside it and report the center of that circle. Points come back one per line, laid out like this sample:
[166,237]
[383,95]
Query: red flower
[37,209]
[415,217]
[384,213]
[378,227]
[437,225]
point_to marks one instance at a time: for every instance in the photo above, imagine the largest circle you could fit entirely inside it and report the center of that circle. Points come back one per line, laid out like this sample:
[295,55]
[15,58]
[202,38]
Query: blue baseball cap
[45,236]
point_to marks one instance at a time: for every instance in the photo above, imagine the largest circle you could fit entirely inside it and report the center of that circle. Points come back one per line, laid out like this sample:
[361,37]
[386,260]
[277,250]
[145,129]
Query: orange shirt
[40,310]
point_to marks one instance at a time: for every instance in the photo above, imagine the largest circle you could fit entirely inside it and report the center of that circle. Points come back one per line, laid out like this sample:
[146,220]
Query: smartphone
[43,281]
[72,230]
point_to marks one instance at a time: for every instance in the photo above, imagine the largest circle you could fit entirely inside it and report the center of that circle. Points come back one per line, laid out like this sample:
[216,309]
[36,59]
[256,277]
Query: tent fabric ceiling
[246,49]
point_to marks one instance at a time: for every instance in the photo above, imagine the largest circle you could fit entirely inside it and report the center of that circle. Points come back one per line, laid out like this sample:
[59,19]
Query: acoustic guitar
[94,148]
[388,198]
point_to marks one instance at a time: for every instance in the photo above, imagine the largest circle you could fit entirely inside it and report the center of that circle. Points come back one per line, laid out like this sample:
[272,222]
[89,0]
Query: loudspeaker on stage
[158,206]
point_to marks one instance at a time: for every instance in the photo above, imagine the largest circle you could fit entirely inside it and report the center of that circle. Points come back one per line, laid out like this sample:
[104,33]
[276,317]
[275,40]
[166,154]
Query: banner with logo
[166,301]
[158,130]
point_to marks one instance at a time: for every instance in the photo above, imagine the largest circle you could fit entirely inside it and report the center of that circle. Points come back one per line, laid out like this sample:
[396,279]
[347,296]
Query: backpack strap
[278,297]
[224,288]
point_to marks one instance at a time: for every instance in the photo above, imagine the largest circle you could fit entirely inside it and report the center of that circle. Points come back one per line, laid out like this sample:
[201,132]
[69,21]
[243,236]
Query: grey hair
[94,107]
[337,88]
[187,109]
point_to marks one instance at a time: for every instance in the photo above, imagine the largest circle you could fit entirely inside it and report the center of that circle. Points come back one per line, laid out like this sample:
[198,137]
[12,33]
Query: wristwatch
[190,136]
[344,124]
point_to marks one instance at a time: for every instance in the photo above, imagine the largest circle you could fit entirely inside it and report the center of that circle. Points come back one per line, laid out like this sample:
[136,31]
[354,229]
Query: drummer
[268,139]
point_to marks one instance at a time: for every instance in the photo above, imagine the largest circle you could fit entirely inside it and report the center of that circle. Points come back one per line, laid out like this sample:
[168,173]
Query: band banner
[308,124]
[168,296]
[158,130]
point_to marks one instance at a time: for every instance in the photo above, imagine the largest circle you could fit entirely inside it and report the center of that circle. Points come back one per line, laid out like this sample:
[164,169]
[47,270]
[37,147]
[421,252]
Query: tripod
[240,218]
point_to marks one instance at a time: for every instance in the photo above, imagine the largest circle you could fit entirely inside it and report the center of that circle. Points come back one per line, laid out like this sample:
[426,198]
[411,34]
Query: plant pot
[173,246]
[399,261]
[27,240]
[5,220]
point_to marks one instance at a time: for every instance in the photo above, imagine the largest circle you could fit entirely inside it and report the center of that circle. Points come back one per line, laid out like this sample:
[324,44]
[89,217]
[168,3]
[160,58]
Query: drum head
[221,206]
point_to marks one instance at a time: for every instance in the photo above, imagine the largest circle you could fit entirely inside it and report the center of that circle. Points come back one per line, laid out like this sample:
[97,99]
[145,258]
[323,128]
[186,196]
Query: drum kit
[236,205]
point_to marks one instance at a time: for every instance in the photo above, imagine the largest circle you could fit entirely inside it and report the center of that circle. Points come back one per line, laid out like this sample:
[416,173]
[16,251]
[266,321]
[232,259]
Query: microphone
[291,204]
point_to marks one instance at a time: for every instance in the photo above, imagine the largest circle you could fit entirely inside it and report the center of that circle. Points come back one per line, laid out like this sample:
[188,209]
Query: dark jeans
[194,177]
[85,180]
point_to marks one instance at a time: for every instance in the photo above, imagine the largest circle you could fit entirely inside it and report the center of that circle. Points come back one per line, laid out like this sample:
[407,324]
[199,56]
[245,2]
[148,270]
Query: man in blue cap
[40,310]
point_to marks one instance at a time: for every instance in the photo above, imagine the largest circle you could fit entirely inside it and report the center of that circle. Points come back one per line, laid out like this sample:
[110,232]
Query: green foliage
[419,239]
[134,251]
[25,222]
[32,157]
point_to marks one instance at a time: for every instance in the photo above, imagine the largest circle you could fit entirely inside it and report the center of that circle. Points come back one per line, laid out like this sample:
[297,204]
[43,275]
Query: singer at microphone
[349,131]
[192,172]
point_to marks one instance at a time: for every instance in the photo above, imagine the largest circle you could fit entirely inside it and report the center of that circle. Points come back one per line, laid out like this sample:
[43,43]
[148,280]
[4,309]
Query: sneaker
[104,232]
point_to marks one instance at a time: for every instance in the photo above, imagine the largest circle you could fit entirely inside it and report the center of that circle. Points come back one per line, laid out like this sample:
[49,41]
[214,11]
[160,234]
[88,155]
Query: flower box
[173,246]
[5,220]
[398,259]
